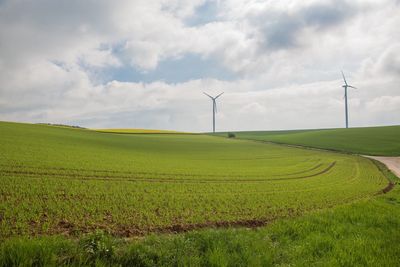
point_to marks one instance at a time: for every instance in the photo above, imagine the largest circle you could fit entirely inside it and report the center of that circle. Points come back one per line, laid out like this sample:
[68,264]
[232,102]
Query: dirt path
[393,163]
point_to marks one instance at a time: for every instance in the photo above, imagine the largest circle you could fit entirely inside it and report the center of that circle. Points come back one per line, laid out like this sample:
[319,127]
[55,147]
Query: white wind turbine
[345,86]
[214,107]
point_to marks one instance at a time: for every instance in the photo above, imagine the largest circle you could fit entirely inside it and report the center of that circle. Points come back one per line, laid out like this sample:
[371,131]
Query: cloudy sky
[145,64]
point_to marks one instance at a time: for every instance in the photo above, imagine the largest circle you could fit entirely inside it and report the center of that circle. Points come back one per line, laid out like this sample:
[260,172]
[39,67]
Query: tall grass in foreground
[360,234]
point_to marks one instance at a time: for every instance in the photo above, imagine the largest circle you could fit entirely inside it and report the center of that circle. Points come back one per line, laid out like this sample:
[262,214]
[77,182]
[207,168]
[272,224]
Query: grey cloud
[386,64]
[326,15]
[390,61]
[280,32]
[282,29]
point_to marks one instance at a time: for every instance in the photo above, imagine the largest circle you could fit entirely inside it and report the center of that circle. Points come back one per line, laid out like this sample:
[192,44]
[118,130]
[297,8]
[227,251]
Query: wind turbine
[345,86]
[214,107]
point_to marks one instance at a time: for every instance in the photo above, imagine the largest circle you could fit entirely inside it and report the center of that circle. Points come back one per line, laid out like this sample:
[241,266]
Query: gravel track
[393,163]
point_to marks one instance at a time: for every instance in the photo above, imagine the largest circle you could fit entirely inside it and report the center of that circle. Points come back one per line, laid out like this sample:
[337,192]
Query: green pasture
[364,233]
[138,131]
[81,192]
[71,181]
[378,141]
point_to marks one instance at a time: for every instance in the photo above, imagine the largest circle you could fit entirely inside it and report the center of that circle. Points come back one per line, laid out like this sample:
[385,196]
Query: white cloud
[287,56]
[100,58]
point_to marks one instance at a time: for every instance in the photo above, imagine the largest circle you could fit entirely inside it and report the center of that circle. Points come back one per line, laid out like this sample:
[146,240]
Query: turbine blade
[215,106]
[208,95]
[219,95]
[352,87]
[344,78]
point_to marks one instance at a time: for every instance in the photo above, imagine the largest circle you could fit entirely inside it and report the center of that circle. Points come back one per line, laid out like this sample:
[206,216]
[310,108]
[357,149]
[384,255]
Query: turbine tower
[345,86]
[214,107]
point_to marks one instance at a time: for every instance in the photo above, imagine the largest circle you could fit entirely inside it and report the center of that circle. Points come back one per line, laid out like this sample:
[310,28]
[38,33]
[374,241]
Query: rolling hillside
[71,197]
[62,180]
[378,141]
[137,131]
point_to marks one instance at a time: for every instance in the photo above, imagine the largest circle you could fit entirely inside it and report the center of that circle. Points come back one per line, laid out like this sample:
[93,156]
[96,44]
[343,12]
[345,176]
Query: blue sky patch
[204,14]
[189,67]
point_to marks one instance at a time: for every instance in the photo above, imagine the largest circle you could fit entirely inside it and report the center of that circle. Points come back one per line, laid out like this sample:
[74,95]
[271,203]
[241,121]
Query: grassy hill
[76,180]
[72,196]
[137,131]
[379,141]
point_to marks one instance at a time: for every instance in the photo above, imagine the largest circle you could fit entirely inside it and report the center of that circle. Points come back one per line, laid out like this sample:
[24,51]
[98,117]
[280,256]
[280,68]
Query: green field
[378,141]
[137,131]
[364,233]
[59,180]
[62,186]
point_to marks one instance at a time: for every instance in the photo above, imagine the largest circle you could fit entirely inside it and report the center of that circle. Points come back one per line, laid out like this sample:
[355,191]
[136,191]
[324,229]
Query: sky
[146,64]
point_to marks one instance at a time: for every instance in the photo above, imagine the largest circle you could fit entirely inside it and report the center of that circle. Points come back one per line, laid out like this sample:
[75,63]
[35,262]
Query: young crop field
[379,141]
[137,131]
[70,181]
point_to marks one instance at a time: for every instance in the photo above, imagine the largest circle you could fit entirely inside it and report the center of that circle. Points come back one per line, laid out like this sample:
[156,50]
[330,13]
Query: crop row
[58,180]
[53,205]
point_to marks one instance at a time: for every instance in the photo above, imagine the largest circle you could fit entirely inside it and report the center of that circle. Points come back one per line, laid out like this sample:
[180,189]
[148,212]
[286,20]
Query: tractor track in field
[181,228]
[132,231]
[387,189]
[392,163]
[109,173]
[164,180]
[68,228]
